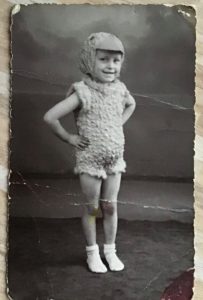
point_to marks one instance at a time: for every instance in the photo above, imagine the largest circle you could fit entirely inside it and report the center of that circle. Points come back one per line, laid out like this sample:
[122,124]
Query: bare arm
[129,108]
[60,110]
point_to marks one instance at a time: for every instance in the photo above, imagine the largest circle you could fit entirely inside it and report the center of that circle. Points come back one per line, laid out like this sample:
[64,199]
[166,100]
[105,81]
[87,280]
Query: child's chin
[109,80]
[106,80]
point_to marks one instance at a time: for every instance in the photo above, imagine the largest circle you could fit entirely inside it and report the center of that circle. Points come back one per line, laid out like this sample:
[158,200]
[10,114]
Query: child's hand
[80,142]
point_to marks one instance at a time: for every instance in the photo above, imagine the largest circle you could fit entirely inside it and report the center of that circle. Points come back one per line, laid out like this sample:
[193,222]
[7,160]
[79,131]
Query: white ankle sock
[115,264]
[94,261]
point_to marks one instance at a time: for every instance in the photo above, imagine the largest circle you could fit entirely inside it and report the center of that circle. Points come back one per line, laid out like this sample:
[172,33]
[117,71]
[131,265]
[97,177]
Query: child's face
[107,65]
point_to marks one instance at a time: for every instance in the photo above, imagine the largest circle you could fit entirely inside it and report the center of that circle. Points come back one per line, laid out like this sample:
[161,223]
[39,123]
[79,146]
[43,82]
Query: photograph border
[9,8]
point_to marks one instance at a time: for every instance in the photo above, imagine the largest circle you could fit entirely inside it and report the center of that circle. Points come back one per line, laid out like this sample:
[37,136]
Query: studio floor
[46,260]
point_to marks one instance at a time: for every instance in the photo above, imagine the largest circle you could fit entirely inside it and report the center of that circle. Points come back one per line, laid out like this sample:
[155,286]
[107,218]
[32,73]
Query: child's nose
[110,64]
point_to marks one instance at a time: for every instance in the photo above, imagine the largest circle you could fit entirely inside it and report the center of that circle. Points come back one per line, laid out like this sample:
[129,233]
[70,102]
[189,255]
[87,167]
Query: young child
[102,104]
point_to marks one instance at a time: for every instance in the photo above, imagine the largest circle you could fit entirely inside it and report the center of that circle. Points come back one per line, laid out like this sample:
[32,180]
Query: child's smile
[107,65]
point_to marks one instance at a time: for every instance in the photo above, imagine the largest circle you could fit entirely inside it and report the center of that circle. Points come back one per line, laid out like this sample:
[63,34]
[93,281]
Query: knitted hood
[99,40]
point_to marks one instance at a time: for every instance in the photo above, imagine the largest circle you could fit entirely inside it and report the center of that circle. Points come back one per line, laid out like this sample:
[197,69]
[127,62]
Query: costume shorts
[100,165]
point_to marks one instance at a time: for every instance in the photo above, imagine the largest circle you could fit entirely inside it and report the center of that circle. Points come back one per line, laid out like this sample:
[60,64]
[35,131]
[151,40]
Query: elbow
[134,106]
[48,119]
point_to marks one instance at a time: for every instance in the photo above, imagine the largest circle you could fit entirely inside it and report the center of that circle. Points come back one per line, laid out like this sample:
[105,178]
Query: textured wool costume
[100,120]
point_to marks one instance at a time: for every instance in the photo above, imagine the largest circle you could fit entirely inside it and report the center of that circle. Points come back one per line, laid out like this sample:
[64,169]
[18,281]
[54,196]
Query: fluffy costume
[100,120]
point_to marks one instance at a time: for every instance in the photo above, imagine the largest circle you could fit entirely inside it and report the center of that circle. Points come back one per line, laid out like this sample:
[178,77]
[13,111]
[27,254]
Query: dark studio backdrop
[158,70]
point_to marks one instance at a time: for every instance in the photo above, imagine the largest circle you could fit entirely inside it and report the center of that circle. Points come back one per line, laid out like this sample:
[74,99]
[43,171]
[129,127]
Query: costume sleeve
[128,99]
[83,94]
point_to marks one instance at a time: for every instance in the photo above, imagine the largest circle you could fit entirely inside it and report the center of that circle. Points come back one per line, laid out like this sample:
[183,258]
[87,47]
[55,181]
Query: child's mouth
[109,73]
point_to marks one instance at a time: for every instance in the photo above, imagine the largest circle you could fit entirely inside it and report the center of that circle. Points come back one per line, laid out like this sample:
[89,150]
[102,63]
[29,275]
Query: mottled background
[159,71]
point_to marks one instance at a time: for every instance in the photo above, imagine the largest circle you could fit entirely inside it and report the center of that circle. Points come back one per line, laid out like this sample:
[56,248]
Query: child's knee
[92,210]
[108,207]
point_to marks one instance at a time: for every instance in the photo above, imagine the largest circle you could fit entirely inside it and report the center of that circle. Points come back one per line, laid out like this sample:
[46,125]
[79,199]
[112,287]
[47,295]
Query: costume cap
[99,40]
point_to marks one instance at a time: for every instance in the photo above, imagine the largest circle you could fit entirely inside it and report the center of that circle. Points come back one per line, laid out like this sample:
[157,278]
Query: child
[102,104]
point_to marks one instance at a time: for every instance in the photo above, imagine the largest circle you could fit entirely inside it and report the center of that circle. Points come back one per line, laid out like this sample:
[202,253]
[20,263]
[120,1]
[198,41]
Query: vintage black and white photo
[101,152]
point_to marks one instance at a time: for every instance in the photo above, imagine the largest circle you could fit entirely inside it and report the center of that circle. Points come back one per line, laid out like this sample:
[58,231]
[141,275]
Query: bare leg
[110,189]
[91,187]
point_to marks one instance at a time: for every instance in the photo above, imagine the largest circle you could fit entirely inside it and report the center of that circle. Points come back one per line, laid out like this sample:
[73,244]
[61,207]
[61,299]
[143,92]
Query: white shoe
[94,261]
[115,264]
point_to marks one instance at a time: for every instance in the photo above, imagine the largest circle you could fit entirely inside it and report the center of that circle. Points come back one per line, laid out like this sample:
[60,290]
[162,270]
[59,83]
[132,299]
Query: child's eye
[103,58]
[116,60]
